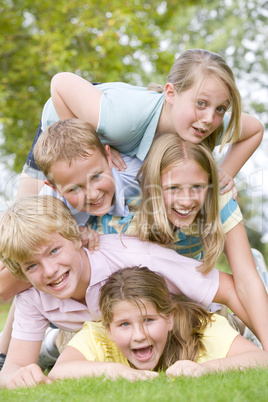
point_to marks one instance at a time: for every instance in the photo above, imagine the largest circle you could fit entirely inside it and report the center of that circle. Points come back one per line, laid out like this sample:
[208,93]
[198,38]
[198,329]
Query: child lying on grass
[145,329]
[41,242]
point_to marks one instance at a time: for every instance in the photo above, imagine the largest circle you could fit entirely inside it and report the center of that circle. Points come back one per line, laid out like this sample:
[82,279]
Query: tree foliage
[134,41]
[98,39]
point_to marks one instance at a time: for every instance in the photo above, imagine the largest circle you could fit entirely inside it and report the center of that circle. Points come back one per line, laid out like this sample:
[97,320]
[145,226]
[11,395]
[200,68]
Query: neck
[164,121]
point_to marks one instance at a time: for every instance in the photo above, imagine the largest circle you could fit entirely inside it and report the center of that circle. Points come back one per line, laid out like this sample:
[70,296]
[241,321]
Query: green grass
[234,386]
[4,308]
[250,385]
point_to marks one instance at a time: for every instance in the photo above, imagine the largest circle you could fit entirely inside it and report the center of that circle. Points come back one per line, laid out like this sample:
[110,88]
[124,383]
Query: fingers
[225,189]
[28,377]
[117,160]
[90,239]
[140,375]
[226,183]
[187,368]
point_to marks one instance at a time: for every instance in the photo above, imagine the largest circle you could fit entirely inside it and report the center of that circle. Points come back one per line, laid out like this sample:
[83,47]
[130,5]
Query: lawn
[249,385]
[4,308]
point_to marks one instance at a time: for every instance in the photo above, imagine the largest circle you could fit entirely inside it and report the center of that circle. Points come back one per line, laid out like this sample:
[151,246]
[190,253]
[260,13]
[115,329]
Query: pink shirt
[35,309]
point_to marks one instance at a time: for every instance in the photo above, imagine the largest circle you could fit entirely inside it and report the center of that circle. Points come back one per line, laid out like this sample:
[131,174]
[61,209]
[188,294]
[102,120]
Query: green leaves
[134,41]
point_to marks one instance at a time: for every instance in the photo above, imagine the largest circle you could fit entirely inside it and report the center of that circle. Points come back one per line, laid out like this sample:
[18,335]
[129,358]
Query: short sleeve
[94,343]
[230,212]
[218,338]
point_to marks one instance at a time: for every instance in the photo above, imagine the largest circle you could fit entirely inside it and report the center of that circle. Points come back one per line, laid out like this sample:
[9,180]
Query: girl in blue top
[180,208]
[199,90]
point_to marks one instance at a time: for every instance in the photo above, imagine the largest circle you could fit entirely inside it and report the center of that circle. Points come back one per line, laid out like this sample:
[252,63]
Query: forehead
[44,242]
[140,306]
[214,88]
[183,173]
[63,172]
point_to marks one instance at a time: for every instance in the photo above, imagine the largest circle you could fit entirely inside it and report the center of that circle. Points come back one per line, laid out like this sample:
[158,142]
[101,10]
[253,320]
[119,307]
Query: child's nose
[208,116]
[185,196]
[49,268]
[92,192]
[138,333]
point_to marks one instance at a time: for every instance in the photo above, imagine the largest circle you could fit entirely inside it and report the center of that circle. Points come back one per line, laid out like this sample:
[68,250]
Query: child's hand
[117,159]
[27,376]
[226,183]
[187,368]
[115,371]
[90,239]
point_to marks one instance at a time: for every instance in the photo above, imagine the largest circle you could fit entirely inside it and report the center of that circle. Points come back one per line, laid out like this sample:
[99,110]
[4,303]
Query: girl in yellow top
[145,328]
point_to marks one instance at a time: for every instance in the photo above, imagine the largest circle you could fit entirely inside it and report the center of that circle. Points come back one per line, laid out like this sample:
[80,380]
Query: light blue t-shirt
[128,118]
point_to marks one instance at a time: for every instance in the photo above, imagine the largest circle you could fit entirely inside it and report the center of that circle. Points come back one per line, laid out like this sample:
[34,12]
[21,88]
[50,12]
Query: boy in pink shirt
[41,242]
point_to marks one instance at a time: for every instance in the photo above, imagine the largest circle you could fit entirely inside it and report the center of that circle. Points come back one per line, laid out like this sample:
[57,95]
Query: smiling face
[195,116]
[184,192]
[59,268]
[140,335]
[87,183]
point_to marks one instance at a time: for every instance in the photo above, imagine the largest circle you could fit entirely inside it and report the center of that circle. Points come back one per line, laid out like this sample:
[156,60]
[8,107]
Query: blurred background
[135,41]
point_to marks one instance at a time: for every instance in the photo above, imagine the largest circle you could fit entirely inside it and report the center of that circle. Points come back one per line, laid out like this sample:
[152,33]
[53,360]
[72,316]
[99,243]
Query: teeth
[97,202]
[58,281]
[183,212]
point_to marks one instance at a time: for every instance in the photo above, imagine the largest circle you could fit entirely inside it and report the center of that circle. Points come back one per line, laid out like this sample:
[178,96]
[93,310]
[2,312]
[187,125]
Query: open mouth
[200,131]
[143,354]
[58,284]
[184,213]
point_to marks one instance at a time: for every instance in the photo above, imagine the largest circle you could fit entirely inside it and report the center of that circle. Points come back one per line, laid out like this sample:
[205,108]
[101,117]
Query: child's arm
[242,354]
[248,284]
[239,152]
[9,285]
[73,364]
[28,185]
[20,368]
[72,96]
[227,295]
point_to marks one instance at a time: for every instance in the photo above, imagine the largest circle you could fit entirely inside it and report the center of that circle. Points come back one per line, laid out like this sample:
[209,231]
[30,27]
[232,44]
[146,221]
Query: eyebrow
[33,261]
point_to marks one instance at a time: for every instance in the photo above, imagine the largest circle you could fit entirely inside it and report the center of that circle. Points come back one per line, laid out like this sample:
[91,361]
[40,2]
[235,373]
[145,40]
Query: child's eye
[221,109]
[74,189]
[201,103]
[124,324]
[197,187]
[96,176]
[30,267]
[148,320]
[173,188]
[54,250]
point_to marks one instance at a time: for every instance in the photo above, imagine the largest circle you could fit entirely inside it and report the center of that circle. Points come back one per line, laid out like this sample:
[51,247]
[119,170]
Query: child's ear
[109,333]
[48,183]
[108,154]
[170,93]
[170,321]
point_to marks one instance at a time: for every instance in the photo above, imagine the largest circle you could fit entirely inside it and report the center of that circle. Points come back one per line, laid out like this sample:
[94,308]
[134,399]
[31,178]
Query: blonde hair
[168,151]
[139,284]
[28,224]
[65,140]
[191,69]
